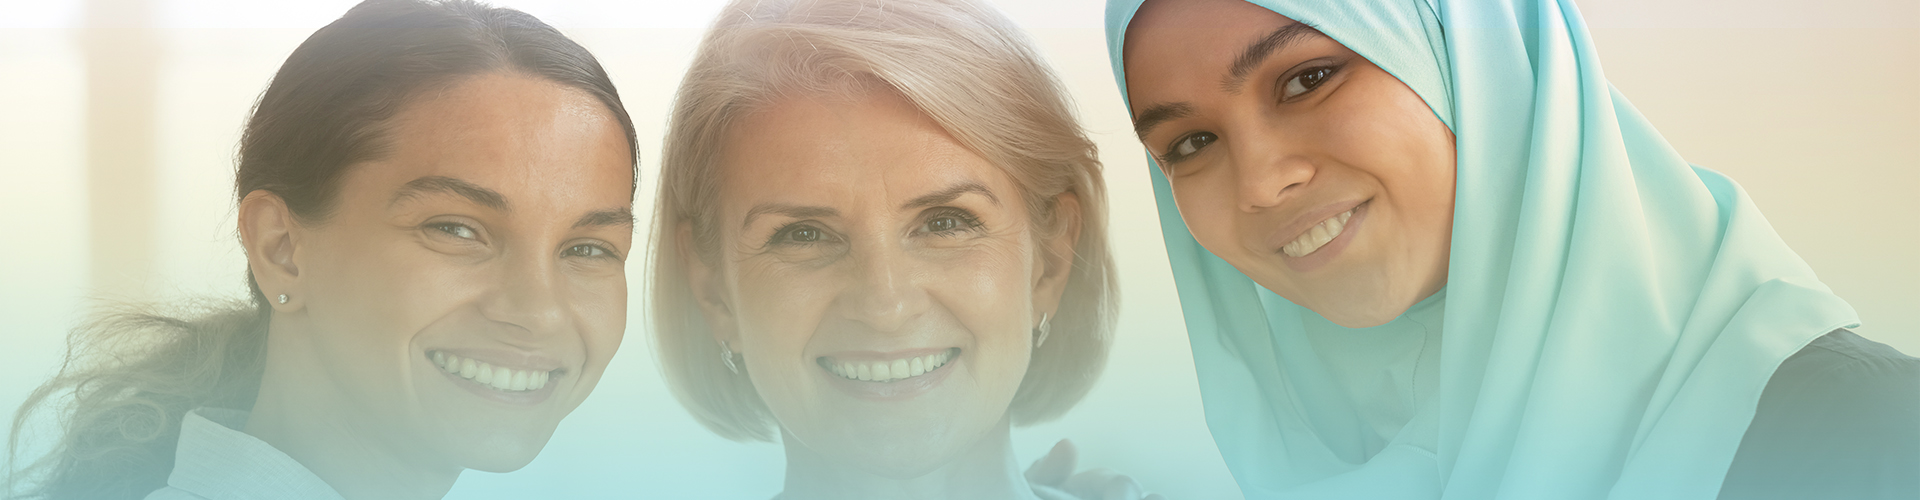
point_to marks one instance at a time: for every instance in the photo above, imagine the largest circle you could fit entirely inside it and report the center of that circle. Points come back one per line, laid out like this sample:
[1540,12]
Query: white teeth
[1318,235]
[888,371]
[480,372]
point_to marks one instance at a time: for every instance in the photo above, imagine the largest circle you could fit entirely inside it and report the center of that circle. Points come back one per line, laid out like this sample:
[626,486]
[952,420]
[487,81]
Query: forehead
[1189,44]
[874,148]
[528,138]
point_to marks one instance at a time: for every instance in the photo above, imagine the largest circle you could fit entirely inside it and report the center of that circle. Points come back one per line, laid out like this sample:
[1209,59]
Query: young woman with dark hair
[435,198]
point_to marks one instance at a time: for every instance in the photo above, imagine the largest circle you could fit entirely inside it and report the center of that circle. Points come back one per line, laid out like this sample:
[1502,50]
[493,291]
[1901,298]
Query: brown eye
[1192,144]
[589,251]
[1305,82]
[1185,146]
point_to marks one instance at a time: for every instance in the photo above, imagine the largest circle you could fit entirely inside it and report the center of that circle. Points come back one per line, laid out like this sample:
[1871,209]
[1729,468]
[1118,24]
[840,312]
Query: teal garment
[1611,313]
[215,460]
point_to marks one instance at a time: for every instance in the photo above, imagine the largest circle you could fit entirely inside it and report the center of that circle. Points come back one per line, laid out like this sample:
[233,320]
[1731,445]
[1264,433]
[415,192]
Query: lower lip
[891,391]
[1327,252]
[487,392]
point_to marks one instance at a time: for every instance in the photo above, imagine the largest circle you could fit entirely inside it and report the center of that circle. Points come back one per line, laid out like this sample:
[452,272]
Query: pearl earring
[283,298]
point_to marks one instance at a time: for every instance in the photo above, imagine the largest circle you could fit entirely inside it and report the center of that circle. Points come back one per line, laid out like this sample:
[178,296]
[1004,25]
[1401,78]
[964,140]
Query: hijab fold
[1611,313]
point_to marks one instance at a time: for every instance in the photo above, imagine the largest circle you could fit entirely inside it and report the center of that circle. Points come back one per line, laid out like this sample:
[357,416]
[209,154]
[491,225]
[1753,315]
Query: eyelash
[966,221]
[1320,74]
[783,236]
[593,250]
[604,252]
[786,235]
[452,228]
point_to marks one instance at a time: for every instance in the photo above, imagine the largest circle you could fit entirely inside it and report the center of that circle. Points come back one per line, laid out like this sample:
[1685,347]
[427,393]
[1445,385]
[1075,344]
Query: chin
[1361,309]
[501,453]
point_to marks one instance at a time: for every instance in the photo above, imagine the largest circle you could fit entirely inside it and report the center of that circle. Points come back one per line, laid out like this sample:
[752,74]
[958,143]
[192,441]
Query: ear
[708,290]
[272,238]
[1055,262]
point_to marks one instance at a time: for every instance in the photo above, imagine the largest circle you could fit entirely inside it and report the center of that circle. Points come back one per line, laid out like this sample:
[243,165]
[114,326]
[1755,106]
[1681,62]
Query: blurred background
[119,120]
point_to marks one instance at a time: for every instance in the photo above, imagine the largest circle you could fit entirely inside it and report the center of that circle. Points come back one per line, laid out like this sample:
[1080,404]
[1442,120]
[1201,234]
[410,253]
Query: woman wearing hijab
[1426,251]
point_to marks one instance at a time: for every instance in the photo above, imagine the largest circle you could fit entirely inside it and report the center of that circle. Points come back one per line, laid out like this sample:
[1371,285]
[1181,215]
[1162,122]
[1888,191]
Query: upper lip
[516,359]
[1292,230]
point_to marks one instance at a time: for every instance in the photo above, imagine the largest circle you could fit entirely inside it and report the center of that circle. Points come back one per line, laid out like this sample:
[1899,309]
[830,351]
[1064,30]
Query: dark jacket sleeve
[1840,419]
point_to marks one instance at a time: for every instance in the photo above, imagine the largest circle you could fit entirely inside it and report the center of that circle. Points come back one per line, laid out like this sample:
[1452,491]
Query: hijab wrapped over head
[1611,313]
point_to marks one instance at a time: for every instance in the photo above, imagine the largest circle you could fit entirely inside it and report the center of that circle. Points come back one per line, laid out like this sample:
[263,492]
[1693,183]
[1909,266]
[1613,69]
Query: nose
[1269,169]
[530,296]
[883,293]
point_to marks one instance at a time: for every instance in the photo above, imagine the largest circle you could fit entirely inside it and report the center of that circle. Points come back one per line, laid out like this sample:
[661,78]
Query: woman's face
[470,288]
[878,279]
[1297,161]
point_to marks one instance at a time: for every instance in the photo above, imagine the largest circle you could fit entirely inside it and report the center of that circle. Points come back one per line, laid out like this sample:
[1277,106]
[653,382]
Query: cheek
[990,293]
[1206,206]
[381,292]
[600,305]
[776,310]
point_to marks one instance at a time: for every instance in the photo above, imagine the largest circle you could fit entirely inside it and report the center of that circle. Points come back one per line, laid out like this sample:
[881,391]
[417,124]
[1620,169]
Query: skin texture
[387,278]
[1292,144]
[866,272]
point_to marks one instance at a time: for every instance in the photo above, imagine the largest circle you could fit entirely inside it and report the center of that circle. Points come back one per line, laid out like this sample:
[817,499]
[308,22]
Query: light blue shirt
[216,461]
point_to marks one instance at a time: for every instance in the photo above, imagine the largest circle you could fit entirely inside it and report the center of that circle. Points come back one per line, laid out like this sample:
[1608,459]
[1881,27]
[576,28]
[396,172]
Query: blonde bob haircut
[964,66]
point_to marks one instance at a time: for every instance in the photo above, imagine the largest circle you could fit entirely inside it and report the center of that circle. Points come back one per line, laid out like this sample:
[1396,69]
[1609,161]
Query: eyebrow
[810,212]
[1258,51]
[610,217]
[794,211]
[442,184]
[950,194]
[1158,114]
[1250,57]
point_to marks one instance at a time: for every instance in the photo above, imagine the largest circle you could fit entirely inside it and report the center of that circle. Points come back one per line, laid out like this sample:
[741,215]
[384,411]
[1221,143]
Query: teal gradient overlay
[1612,312]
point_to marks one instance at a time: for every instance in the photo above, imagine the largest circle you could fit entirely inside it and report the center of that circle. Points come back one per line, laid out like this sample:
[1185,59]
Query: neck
[303,415]
[985,471]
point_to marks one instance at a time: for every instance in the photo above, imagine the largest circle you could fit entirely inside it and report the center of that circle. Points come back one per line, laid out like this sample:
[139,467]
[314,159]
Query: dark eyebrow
[1157,114]
[610,217]
[949,194]
[440,184]
[1257,52]
[794,211]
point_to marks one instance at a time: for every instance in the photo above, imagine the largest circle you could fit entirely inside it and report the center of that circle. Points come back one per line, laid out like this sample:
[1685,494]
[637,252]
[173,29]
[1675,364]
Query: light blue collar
[215,460]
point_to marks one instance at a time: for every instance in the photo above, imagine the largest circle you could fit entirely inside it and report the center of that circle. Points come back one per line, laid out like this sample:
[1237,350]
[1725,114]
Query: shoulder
[1840,417]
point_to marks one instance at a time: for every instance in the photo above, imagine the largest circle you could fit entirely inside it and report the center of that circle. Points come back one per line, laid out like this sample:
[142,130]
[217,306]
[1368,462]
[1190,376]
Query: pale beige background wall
[1815,110]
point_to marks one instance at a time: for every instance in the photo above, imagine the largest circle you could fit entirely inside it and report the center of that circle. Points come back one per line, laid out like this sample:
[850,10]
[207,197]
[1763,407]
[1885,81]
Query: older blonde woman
[881,233]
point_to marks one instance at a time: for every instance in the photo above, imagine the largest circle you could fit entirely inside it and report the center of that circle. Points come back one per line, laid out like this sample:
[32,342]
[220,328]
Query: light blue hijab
[1611,312]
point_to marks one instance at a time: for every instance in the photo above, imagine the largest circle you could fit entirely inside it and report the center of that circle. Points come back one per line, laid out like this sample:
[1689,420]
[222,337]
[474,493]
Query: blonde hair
[959,62]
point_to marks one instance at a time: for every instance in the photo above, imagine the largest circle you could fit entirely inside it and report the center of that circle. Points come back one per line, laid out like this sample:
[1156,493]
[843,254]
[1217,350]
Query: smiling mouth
[1319,234]
[894,370]
[494,377]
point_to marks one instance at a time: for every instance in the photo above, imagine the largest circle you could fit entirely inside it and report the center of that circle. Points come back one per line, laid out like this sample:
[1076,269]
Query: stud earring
[1042,330]
[283,298]
[726,357]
